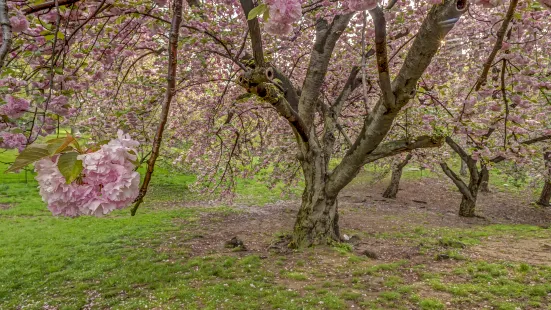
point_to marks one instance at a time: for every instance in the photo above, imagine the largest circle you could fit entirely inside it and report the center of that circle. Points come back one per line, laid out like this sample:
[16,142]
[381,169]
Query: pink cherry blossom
[282,14]
[108,181]
[12,141]
[362,5]
[19,23]
[14,107]
[488,3]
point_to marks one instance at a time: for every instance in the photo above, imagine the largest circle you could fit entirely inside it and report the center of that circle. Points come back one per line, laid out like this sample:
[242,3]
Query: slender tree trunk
[470,192]
[485,182]
[545,196]
[463,170]
[394,185]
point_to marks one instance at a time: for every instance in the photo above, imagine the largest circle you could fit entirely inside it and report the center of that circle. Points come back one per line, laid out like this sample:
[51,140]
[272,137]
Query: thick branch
[471,163]
[327,36]
[497,46]
[254,31]
[400,146]
[439,21]
[171,85]
[6,32]
[463,188]
[47,5]
[382,57]
[351,84]
[404,162]
[459,150]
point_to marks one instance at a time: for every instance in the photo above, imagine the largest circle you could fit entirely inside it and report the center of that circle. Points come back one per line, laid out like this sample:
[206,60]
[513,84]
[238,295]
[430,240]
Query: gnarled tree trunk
[467,207]
[394,185]
[317,219]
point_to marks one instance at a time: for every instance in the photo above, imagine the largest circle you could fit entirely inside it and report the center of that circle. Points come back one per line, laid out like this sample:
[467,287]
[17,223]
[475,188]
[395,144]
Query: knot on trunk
[263,83]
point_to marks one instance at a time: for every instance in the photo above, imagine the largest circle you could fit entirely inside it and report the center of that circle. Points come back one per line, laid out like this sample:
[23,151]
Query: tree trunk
[394,185]
[317,219]
[467,207]
[484,183]
[545,196]
[463,170]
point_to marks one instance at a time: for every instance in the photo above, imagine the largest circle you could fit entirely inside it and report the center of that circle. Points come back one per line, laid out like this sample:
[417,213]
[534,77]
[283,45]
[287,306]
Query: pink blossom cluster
[12,141]
[108,181]
[282,14]
[14,107]
[19,23]
[488,3]
[362,5]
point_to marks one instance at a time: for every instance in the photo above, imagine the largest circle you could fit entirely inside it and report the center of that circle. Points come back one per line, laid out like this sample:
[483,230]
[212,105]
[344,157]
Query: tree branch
[439,21]
[459,150]
[497,46]
[400,146]
[327,36]
[382,57]
[47,5]
[404,162]
[471,163]
[259,81]
[170,89]
[463,188]
[254,31]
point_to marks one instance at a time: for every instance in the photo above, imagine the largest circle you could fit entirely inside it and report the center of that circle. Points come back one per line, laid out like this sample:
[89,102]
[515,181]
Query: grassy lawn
[124,262]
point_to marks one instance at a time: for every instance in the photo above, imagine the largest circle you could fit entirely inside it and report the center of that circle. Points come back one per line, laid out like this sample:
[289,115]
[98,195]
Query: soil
[428,203]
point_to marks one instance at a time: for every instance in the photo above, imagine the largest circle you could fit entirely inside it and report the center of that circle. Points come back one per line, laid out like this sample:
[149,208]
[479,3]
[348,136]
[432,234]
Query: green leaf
[60,144]
[257,11]
[69,166]
[29,155]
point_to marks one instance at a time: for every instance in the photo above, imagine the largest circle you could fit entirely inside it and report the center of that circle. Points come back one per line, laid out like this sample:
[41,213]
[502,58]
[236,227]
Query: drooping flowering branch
[170,89]
[497,46]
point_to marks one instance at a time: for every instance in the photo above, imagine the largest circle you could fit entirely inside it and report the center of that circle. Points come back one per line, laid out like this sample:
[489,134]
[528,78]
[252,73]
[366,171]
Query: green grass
[124,262]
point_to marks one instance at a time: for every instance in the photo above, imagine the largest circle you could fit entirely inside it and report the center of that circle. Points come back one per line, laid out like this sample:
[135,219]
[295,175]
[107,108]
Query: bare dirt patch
[529,251]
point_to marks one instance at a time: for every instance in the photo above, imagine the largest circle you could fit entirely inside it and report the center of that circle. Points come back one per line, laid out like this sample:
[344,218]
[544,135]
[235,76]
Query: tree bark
[470,192]
[6,32]
[463,170]
[467,207]
[485,180]
[317,219]
[394,185]
[545,195]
